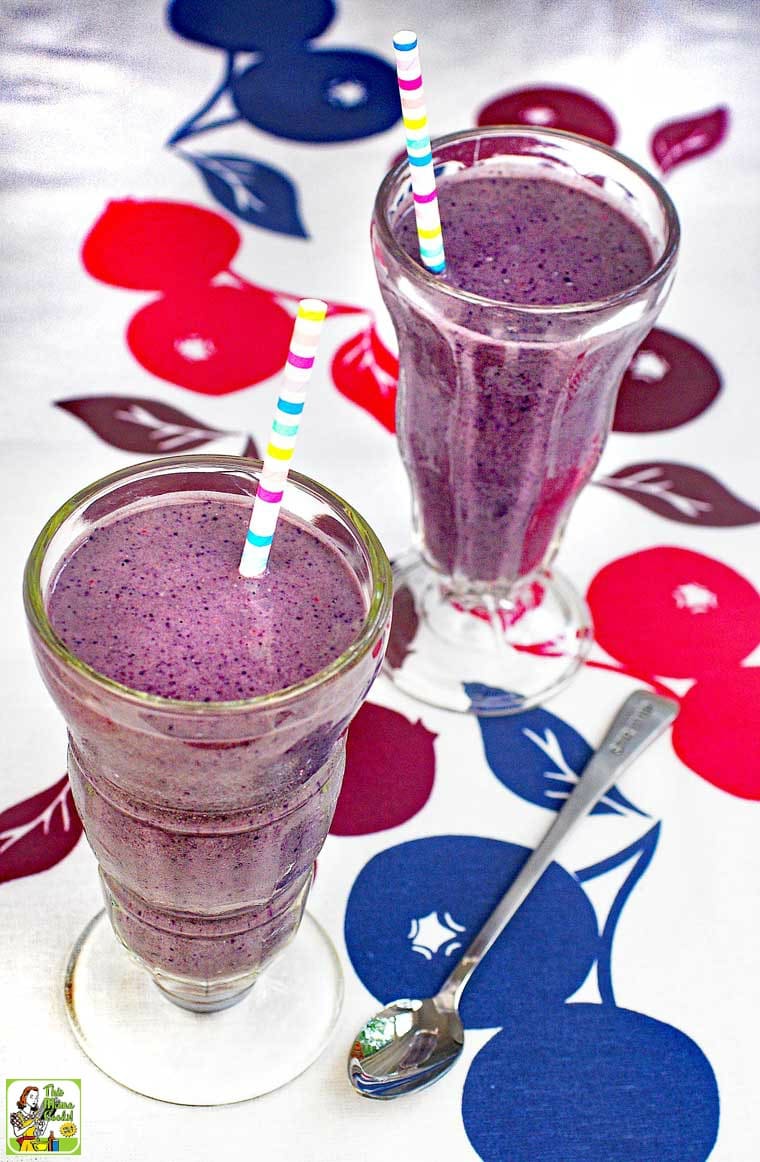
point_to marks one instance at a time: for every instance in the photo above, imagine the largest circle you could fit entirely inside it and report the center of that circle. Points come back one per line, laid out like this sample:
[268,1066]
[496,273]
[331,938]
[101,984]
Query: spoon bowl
[407,1045]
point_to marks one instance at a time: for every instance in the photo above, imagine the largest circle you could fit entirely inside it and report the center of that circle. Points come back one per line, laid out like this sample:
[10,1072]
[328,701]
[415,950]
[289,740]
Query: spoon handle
[640,720]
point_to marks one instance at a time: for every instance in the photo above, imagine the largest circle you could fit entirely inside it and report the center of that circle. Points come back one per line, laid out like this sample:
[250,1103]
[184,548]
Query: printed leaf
[135,424]
[38,832]
[257,193]
[251,449]
[681,493]
[539,756]
[366,372]
[680,141]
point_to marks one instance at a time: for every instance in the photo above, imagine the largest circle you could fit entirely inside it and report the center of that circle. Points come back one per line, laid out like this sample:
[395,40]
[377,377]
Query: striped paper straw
[418,148]
[282,438]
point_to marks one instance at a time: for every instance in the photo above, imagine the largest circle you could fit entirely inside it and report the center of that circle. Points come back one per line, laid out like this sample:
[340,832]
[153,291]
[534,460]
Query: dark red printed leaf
[251,449]
[669,381]
[390,769]
[681,493]
[38,832]
[683,140]
[366,372]
[135,424]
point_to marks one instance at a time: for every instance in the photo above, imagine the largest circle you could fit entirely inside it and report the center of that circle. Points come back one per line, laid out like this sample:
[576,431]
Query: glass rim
[434,283]
[376,615]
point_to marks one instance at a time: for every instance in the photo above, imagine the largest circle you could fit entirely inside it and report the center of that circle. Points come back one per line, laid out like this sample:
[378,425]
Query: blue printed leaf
[539,757]
[641,852]
[257,193]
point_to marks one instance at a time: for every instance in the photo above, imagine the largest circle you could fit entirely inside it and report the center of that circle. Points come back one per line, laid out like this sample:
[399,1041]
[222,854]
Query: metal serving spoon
[410,1043]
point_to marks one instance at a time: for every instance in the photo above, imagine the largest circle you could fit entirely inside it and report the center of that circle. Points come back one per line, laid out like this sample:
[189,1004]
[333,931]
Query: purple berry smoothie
[206,831]
[500,434]
[155,601]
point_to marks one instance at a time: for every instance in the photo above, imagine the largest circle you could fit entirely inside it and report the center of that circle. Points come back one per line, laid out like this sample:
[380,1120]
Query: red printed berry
[717,730]
[672,612]
[158,245]
[552,108]
[390,768]
[212,339]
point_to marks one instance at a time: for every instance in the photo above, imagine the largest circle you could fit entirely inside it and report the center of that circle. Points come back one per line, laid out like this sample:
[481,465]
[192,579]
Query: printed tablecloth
[173,181]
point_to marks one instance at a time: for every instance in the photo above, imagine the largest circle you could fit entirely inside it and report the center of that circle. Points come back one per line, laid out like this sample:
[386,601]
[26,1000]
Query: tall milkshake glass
[503,410]
[206,817]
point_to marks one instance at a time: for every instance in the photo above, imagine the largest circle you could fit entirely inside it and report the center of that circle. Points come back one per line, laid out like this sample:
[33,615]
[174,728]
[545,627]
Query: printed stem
[647,679]
[644,848]
[190,128]
[332,307]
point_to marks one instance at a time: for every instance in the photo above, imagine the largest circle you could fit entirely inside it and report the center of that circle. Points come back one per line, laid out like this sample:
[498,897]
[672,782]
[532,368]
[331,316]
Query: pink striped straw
[282,438]
[419,151]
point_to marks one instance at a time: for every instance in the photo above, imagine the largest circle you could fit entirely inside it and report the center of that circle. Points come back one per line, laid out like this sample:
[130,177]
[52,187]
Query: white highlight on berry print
[695,597]
[429,935]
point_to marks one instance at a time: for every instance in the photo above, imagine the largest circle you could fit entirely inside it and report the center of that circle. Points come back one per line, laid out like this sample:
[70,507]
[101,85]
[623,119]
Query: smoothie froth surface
[154,600]
[533,241]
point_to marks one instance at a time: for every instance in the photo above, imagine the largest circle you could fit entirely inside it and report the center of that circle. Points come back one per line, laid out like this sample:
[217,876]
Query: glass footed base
[155,1048]
[486,654]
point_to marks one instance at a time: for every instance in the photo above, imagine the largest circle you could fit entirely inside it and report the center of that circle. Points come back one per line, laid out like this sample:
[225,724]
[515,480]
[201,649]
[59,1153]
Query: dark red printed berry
[668,382]
[390,768]
[552,108]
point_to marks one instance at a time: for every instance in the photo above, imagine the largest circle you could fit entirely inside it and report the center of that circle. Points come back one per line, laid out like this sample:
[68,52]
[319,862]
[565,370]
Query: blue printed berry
[590,1083]
[414,908]
[250,25]
[319,95]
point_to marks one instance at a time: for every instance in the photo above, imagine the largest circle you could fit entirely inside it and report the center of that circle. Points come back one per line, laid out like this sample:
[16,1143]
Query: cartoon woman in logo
[29,1123]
